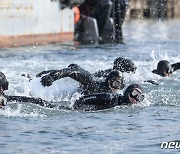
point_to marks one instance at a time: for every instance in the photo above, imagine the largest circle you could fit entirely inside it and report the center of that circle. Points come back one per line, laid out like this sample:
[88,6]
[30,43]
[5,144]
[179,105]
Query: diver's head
[124,65]
[3,82]
[115,80]
[133,94]
[164,68]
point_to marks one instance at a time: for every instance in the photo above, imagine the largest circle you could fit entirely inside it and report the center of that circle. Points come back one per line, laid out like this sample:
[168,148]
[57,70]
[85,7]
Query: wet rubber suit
[132,95]
[118,14]
[90,102]
[97,101]
[120,64]
[164,68]
[89,84]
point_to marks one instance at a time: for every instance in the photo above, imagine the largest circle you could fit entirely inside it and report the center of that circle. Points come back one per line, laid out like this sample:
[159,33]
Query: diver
[4,85]
[165,69]
[132,95]
[120,64]
[88,83]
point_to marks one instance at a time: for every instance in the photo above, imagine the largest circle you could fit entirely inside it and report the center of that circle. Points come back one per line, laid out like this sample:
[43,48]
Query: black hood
[124,65]
[128,90]
[163,67]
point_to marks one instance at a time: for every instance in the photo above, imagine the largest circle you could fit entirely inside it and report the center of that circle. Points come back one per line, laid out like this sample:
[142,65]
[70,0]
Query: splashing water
[121,129]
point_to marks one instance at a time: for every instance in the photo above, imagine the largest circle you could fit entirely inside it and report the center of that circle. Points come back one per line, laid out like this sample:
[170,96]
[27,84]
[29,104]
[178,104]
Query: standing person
[98,9]
[118,14]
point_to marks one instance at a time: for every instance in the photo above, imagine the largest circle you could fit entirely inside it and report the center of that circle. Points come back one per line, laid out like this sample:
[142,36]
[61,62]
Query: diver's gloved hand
[47,80]
[3,101]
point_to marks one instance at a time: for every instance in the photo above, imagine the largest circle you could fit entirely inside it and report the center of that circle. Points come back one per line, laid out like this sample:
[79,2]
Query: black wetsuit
[172,68]
[91,102]
[119,13]
[89,83]
[32,100]
[99,101]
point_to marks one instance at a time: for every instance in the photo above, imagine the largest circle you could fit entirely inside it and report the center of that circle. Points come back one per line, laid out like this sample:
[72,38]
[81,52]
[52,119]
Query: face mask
[137,95]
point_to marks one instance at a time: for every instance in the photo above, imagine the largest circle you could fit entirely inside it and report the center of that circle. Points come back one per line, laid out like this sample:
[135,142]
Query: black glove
[47,80]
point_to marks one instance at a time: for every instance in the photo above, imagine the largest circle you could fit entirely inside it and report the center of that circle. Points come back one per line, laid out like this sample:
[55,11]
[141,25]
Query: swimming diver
[132,95]
[86,79]
[165,69]
[88,83]
[120,64]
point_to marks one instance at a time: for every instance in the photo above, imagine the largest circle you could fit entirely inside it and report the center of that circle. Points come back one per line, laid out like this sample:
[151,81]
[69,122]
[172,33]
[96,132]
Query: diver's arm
[105,100]
[32,100]
[176,66]
[73,71]
[102,73]
[81,75]
[54,75]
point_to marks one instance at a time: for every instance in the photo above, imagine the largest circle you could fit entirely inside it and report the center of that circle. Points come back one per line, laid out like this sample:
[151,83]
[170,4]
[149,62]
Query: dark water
[140,129]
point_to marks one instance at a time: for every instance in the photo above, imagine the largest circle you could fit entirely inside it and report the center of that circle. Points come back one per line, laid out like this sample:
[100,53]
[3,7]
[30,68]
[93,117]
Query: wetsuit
[32,100]
[118,14]
[132,95]
[91,102]
[89,84]
[164,68]
[85,78]
[99,101]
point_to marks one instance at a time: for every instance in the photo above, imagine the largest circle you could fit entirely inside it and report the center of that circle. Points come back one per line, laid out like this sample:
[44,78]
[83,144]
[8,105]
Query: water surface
[27,128]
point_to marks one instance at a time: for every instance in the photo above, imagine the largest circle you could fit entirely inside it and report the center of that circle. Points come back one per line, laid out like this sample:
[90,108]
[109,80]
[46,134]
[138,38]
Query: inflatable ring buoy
[76,14]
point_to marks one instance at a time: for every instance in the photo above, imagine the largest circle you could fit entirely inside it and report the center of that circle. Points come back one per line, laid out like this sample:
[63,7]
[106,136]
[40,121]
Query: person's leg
[120,8]
[101,13]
